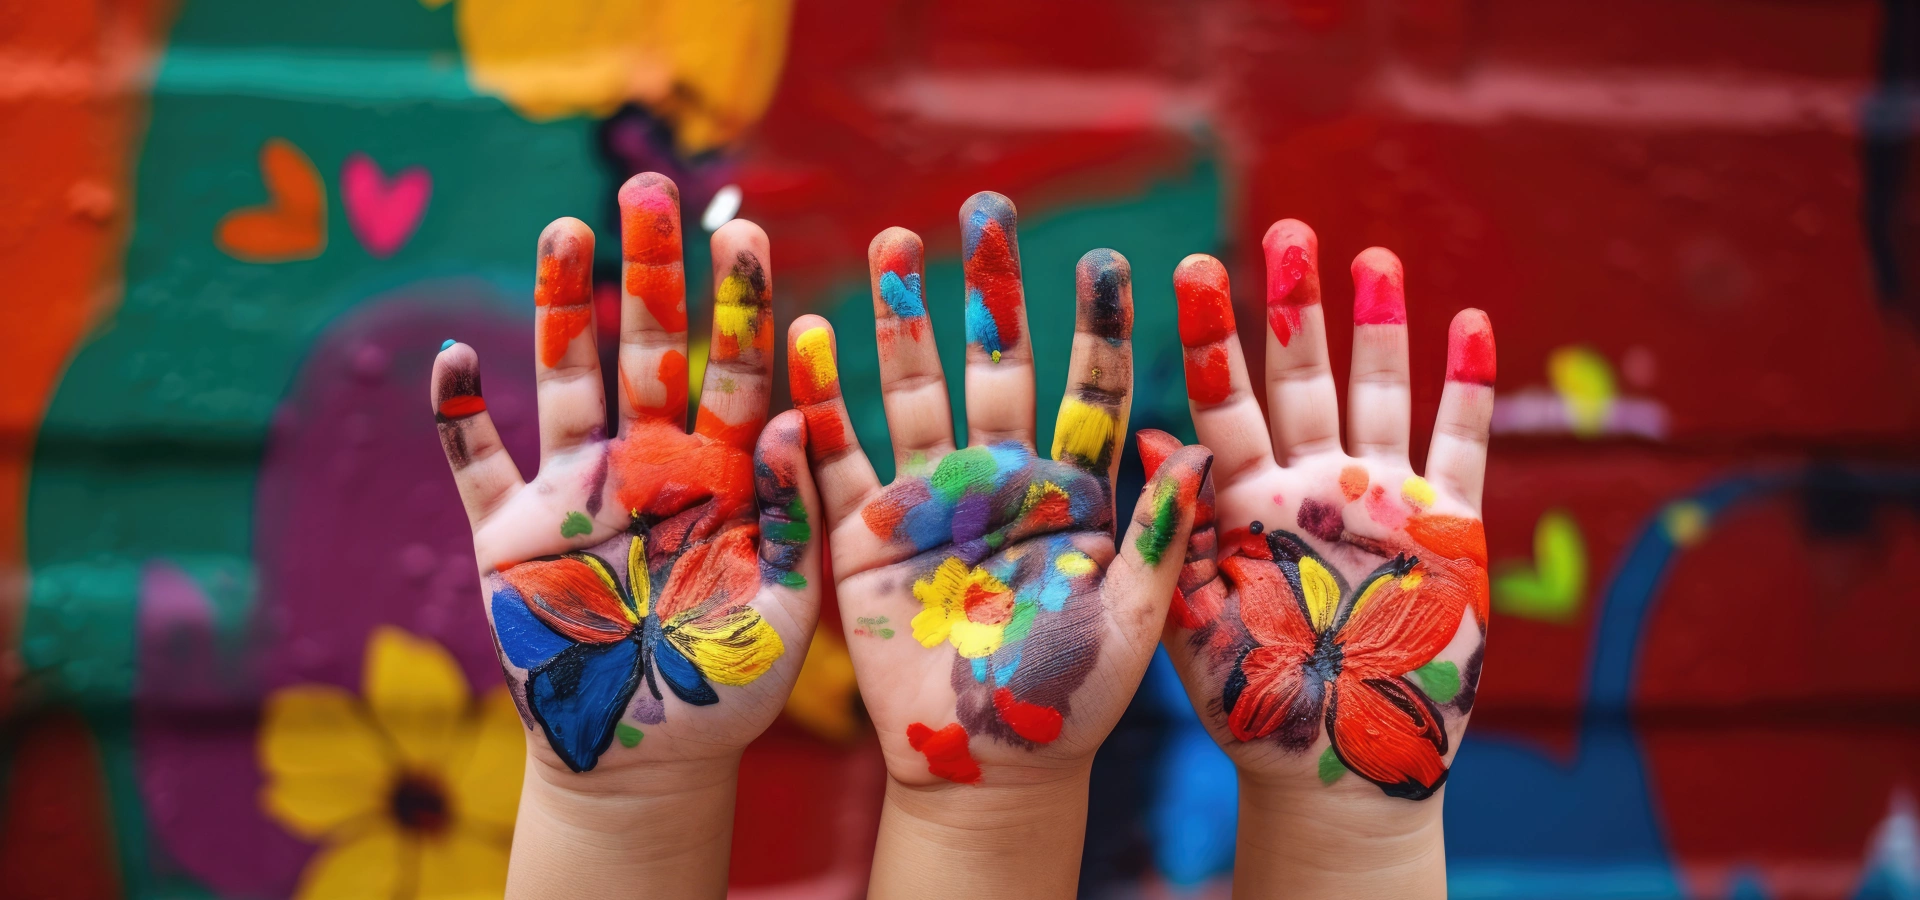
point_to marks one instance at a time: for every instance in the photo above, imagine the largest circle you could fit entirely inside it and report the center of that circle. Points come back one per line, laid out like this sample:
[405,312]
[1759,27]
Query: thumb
[1142,579]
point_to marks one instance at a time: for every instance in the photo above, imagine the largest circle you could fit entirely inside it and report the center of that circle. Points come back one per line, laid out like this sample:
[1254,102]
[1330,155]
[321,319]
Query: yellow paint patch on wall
[707,67]
[1083,432]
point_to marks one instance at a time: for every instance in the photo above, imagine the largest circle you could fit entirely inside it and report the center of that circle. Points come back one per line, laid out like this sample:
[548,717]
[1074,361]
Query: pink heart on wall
[384,212]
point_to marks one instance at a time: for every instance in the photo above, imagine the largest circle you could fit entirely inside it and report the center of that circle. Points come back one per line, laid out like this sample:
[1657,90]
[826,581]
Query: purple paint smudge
[1322,520]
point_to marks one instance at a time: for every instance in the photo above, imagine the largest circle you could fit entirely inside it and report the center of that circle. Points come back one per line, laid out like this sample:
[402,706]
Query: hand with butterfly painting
[1331,615]
[653,591]
[996,628]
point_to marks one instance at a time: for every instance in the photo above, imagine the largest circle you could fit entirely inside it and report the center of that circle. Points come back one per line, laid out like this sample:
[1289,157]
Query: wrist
[632,831]
[1019,835]
[1336,841]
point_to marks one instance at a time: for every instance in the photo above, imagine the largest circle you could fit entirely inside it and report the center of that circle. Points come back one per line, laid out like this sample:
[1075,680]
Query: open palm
[993,623]
[1332,622]
[650,590]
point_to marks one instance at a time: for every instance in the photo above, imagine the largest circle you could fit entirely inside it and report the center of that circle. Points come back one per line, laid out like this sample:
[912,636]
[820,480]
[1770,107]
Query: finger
[1093,414]
[912,386]
[653,304]
[1379,400]
[1198,593]
[1300,394]
[999,354]
[789,506]
[573,406]
[1226,416]
[1139,585]
[482,470]
[840,467]
[1457,459]
[734,394]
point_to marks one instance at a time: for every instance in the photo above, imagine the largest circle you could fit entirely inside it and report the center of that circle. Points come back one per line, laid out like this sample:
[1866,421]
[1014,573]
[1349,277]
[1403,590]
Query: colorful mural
[239,233]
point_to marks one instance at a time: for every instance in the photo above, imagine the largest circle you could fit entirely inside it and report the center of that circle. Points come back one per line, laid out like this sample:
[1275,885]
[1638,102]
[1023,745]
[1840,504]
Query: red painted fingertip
[1292,251]
[1379,288]
[1470,355]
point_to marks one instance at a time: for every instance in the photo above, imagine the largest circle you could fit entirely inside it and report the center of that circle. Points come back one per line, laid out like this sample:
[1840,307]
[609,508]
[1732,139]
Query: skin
[1016,826]
[655,818]
[1299,837]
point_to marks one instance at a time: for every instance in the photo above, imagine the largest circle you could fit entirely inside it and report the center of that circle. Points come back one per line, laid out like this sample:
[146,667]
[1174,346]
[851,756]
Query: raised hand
[996,630]
[1330,626]
[652,593]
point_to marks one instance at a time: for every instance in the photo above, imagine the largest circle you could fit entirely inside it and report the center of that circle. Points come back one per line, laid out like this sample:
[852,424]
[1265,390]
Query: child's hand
[990,622]
[1333,644]
[648,609]
[996,630]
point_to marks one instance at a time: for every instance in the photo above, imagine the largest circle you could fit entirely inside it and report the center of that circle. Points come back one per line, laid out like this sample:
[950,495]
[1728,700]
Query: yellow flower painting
[409,788]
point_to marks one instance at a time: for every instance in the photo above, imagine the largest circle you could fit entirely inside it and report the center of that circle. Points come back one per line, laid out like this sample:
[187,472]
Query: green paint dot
[447,345]
[629,735]
[576,524]
[1439,680]
[886,633]
[1331,768]
[794,580]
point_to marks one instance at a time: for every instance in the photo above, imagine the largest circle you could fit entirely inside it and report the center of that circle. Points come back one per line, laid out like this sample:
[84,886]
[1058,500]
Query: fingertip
[1104,285]
[1204,299]
[1154,446]
[1379,288]
[564,274]
[1470,348]
[784,437]
[740,235]
[812,373]
[896,249]
[1292,253]
[566,239]
[1291,233]
[648,190]
[455,383]
[983,212]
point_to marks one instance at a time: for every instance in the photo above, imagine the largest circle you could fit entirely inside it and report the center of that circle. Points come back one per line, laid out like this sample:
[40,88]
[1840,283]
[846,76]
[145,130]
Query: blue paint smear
[903,296]
[928,524]
[527,641]
[980,325]
[970,235]
[980,670]
[578,711]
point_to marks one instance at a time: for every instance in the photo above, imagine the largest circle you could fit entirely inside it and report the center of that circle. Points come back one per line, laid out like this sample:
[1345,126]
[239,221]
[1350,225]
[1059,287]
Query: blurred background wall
[235,232]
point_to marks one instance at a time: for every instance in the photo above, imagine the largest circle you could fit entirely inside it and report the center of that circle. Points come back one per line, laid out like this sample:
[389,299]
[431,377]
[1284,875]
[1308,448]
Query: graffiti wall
[238,232]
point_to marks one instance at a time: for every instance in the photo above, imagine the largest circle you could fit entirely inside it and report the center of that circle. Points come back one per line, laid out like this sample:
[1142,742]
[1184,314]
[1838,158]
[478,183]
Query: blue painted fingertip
[448,345]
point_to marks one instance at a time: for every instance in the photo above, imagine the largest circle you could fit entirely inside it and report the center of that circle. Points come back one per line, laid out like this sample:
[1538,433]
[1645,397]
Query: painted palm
[654,578]
[1338,623]
[993,618]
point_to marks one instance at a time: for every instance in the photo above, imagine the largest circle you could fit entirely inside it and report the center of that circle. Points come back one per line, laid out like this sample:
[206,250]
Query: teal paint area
[1177,214]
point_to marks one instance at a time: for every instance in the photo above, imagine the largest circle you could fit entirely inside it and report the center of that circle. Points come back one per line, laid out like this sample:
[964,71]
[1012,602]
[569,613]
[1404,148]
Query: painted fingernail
[989,249]
[1470,356]
[1379,288]
[446,345]
[1291,248]
[1206,321]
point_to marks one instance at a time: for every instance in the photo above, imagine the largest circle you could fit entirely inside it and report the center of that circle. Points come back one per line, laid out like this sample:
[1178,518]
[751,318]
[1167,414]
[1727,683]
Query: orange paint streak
[743,435]
[650,245]
[659,470]
[563,293]
[65,192]
[672,375]
[1353,482]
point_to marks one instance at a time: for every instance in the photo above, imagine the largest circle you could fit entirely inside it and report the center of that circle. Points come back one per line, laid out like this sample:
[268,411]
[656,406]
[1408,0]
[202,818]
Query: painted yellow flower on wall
[410,789]
[708,67]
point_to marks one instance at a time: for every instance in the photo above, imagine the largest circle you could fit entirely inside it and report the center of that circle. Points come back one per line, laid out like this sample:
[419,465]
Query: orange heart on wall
[293,223]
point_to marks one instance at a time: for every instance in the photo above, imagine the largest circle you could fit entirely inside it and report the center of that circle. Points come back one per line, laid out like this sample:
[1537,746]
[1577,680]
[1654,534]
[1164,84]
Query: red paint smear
[1208,378]
[1206,304]
[1353,482]
[709,424]
[946,752]
[901,256]
[660,470]
[672,374]
[1039,724]
[995,273]
[461,407]
[1155,446]
[559,325]
[1286,270]
[1470,348]
[824,429]
[1379,291]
